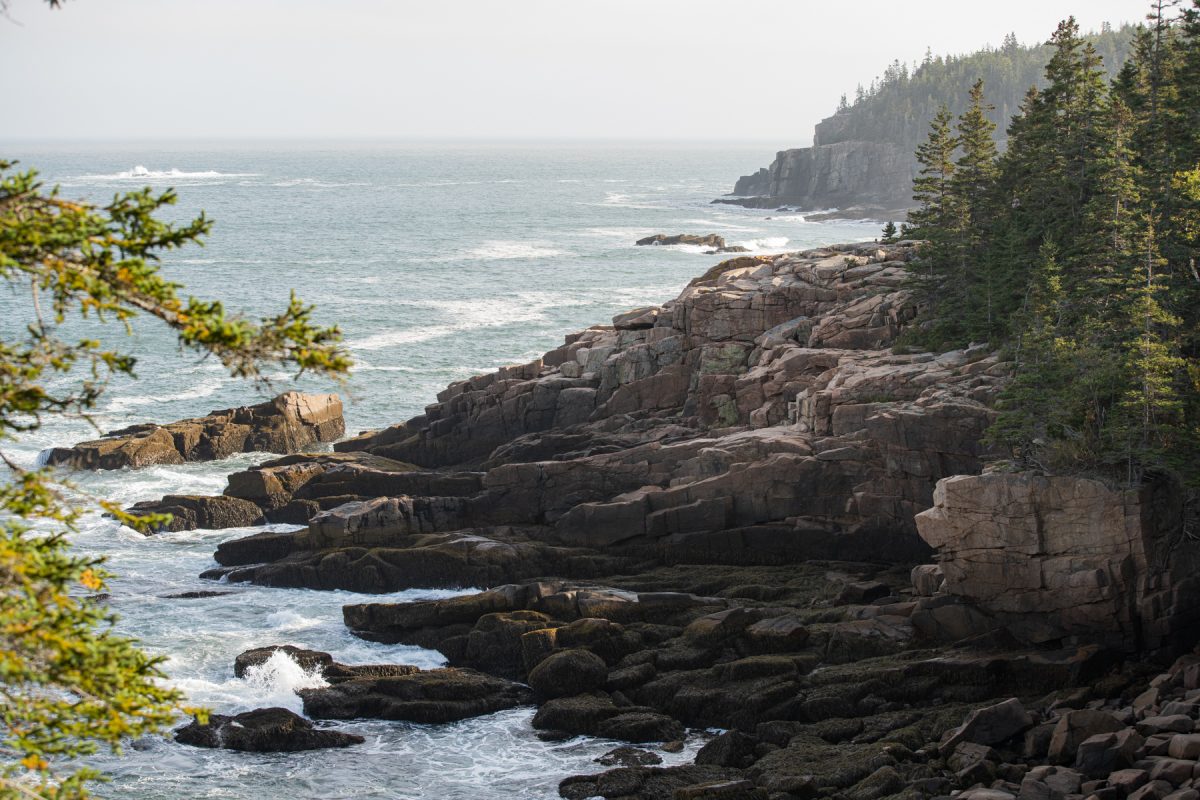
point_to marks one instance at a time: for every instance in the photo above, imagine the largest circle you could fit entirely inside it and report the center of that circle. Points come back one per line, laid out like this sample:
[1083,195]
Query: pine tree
[889,232]
[935,218]
[974,195]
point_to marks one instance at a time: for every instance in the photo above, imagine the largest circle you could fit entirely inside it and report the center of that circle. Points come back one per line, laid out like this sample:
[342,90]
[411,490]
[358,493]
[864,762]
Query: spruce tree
[973,188]
[935,217]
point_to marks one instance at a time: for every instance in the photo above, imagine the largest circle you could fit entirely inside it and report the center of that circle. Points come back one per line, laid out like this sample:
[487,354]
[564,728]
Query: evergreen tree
[889,232]
[1078,247]
[978,276]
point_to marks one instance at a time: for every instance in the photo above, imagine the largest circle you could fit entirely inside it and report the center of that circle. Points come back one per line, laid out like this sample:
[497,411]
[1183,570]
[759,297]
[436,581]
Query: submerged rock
[264,730]
[288,423]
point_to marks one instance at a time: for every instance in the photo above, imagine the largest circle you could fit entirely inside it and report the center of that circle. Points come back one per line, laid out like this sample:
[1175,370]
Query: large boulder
[568,672]
[264,730]
[286,424]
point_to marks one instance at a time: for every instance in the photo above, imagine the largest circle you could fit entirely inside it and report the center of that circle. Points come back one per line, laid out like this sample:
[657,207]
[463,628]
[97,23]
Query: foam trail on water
[140,173]
[507,249]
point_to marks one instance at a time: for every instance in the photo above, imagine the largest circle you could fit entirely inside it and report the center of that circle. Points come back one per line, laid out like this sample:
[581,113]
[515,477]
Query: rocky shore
[288,423]
[748,510]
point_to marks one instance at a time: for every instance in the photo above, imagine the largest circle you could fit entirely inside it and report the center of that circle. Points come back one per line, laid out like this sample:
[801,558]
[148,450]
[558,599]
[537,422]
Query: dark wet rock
[626,756]
[295,488]
[317,661]
[264,730]
[432,696]
[288,423]
[568,672]
[648,783]
[730,749]
[596,714]
[199,594]
[189,512]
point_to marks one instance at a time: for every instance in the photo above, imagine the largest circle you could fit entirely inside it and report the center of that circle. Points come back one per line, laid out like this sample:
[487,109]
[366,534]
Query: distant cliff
[862,159]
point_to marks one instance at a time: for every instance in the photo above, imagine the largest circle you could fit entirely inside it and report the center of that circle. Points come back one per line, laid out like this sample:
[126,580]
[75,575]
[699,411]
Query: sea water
[437,261]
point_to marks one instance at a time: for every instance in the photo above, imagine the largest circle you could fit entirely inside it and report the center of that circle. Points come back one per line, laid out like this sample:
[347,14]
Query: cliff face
[869,175]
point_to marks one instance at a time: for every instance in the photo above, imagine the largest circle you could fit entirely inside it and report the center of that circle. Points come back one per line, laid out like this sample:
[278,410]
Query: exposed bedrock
[1052,557]
[703,516]
[759,418]
[288,423]
[873,176]
[713,240]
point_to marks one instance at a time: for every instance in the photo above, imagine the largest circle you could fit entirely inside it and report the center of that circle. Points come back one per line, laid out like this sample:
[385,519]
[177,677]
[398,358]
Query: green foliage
[889,233]
[1076,249]
[68,682]
[899,105]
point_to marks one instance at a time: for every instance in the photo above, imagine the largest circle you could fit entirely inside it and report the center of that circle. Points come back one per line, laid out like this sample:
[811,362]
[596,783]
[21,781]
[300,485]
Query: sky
[717,70]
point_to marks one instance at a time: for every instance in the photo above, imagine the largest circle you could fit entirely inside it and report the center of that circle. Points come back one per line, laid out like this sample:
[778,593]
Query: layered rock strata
[290,422]
[702,516]
[759,418]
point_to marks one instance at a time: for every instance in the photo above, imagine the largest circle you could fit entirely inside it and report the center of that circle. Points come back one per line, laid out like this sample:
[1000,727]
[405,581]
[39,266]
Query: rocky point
[749,515]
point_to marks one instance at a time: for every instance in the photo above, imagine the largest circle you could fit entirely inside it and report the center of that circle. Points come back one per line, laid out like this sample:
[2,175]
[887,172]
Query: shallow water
[437,262]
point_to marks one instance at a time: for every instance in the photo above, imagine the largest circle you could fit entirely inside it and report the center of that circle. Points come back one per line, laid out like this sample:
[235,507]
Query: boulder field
[749,510]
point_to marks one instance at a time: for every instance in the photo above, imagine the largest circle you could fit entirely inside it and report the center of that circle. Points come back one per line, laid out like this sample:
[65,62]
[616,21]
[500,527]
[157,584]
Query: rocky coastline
[868,179]
[748,510]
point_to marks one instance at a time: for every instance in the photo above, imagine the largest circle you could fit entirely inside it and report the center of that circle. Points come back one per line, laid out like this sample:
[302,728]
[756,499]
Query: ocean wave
[314,183]
[466,315]
[729,226]
[765,243]
[141,173]
[512,249]
[273,683]
[621,200]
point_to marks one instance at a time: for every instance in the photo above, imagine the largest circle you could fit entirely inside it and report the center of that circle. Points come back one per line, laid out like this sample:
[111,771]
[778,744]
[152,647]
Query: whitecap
[378,341]
[288,620]
[765,243]
[510,249]
[620,200]
[273,683]
[315,183]
[141,173]
[729,226]
[466,315]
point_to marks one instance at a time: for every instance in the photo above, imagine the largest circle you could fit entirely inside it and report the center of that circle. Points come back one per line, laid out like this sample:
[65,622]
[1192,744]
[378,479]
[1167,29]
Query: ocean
[438,261]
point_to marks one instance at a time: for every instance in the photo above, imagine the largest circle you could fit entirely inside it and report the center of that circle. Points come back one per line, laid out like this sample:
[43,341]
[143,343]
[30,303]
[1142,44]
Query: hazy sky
[638,69]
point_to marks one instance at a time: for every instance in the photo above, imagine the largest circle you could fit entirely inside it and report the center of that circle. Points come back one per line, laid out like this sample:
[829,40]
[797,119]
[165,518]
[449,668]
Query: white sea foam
[464,315]
[713,223]
[269,684]
[621,200]
[141,173]
[313,183]
[512,249]
[765,243]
